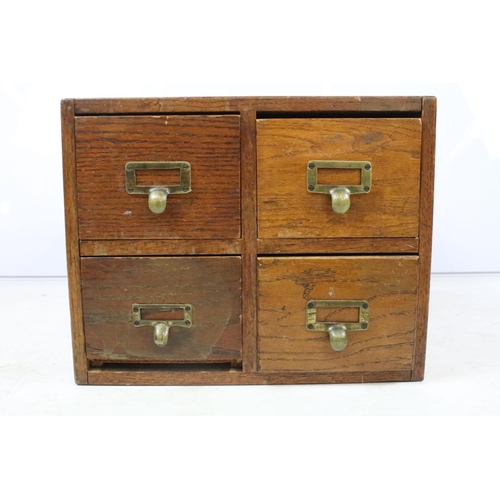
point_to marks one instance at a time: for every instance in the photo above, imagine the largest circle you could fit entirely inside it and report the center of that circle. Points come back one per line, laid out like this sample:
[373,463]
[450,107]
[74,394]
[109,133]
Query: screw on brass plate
[365,306]
[136,309]
[185,167]
[310,305]
[136,323]
[310,327]
[367,167]
[185,189]
[311,165]
[311,188]
[187,322]
[187,308]
[366,189]
[364,326]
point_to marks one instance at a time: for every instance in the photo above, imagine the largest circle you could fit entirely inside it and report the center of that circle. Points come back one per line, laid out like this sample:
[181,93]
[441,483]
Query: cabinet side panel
[72,244]
[426,213]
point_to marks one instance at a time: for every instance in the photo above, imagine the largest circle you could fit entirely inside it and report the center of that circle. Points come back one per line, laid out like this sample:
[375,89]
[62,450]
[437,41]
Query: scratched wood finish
[388,283]
[370,104]
[287,210]
[429,111]
[72,247]
[159,247]
[171,377]
[337,245]
[210,143]
[211,284]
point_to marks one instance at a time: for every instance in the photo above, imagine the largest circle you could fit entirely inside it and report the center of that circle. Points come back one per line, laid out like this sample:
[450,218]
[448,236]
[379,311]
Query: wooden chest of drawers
[249,240]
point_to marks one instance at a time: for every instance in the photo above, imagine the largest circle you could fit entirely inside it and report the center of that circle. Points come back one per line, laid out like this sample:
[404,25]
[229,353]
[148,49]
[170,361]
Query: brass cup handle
[160,334]
[161,328]
[341,195]
[157,195]
[338,336]
[337,331]
[341,199]
[157,200]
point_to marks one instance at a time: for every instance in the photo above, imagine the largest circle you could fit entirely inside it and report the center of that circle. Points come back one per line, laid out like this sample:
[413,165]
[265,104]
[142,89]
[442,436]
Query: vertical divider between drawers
[249,239]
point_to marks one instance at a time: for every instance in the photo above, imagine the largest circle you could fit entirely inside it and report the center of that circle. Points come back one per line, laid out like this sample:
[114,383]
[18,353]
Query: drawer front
[388,147]
[210,288]
[289,286]
[209,144]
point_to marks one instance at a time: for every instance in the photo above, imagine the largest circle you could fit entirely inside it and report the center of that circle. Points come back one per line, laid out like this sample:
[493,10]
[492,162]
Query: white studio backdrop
[467,204]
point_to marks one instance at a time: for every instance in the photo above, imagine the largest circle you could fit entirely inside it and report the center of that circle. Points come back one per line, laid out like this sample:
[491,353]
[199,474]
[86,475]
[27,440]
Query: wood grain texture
[72,247]
[388,283]
[210,143]
[159,247]
[337,245]
[390,104]
[429,109]
[211,284]
[146,377]
[249,242]
[287,210]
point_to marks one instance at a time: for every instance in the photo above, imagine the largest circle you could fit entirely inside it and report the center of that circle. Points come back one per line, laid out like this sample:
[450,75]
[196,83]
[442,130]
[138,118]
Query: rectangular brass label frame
[312,175]
[313,305]
[184,168]
[186,322]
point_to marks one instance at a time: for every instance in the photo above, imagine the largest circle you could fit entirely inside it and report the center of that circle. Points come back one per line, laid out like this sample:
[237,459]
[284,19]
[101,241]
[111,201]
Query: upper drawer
[209,144]
[386,148]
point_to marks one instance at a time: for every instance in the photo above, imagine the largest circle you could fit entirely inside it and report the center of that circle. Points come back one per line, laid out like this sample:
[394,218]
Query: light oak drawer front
[388,287]
[209,289]
[388,147]
[209,144]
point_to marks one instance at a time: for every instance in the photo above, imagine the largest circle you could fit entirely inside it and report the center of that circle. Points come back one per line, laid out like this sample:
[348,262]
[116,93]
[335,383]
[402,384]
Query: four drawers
[178,310]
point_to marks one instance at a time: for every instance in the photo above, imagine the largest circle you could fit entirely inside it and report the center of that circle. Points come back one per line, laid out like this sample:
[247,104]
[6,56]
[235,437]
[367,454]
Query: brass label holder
[157,195]
[341,195]
[162,327]
[337,330]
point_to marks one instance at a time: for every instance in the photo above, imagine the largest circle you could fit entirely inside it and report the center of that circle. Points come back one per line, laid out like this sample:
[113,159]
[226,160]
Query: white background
[109,53]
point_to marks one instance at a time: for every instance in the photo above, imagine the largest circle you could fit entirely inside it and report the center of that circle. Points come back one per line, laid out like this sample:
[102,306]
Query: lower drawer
[305,302]
[162,309]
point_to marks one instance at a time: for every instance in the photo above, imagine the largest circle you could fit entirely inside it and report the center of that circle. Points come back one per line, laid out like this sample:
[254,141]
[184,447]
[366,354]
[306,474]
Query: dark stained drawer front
[209,289]
[389,150]
[385,289]
[210,145]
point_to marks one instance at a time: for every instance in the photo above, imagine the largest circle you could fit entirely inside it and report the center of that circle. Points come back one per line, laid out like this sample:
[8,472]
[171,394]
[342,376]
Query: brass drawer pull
[162,327]
[337,330]
[157,199]
[341,195]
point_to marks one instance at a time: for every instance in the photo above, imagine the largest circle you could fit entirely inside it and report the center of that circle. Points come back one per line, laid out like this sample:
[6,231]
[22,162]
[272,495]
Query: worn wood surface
[161,377]
[337,245]
[288,210]
[72,246]
[210,143]
[211,284]
[249,241]
[159,247]
[390,104]
[388,283]
[429,106]
[387,351]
